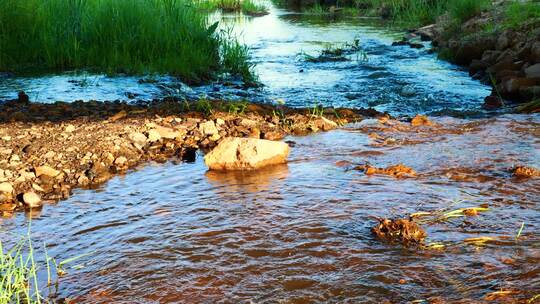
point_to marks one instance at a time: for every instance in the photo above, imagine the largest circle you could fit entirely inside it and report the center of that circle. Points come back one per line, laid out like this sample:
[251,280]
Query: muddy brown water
[300,233]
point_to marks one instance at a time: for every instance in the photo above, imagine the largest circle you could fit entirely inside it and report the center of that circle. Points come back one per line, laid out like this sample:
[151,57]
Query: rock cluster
[509,58]
[43,160]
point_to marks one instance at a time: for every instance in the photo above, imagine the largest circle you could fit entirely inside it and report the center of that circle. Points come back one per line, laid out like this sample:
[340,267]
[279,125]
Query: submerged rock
[420,120]
[523,171]
[398,170]
[235,153]
[399,230]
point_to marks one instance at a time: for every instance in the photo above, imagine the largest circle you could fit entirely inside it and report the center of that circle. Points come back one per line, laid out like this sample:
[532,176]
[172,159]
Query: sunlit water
[300,233]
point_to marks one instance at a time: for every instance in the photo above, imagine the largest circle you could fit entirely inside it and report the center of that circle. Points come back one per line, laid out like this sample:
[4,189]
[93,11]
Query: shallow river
[300,233]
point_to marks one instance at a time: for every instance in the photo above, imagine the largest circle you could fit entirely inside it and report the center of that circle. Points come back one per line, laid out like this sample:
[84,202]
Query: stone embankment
[507,58]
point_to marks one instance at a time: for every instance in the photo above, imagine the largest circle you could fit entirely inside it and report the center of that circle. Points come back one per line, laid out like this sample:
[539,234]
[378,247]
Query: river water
[300,233]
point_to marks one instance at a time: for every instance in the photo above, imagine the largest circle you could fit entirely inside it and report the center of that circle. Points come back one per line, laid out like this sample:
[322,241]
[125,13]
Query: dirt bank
[49,149]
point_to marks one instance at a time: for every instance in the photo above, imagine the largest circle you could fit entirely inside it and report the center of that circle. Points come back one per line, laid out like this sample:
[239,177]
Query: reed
[112,36]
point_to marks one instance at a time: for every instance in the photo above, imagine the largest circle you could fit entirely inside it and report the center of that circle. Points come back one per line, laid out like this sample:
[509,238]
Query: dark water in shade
[300,233]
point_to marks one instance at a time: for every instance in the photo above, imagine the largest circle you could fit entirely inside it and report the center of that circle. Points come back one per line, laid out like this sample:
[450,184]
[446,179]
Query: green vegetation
[516,13]
[248,7]
[116,36]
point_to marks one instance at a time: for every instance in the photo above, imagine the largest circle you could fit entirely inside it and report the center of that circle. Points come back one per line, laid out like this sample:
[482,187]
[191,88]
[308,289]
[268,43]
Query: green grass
[251,8]
[114,36]
[248,7]
[19,274]
[463,10]
[516,13]
[20,267]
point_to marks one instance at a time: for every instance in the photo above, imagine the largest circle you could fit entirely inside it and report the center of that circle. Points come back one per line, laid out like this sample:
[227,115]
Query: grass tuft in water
[113,36]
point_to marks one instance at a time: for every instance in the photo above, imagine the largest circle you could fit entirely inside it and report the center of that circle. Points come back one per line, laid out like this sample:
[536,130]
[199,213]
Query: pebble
[47,171]
[153,136]
[138,139]
[208,128]
[69,129]
[120,161]
[32,200]
[6,187]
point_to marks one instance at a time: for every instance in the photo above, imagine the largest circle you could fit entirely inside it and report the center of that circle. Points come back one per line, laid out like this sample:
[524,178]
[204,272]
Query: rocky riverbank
[46,150]
[505,56]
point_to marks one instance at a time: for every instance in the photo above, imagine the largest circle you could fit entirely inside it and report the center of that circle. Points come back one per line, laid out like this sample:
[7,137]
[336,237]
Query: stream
[300,233]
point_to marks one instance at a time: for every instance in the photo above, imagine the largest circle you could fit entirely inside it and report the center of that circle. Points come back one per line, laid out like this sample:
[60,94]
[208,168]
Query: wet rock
[32,200]
[46,170]
[533,71]
[408,91]
[535,52]
[402,231]
[22,97]
[473,48]
[525,172]
[324,124]
[274,135]
[513,85]
[398,171]
[235,153]
[420,120]
[492,102]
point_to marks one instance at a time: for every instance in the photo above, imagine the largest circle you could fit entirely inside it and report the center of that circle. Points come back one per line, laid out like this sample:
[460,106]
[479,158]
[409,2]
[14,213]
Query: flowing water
[300,233]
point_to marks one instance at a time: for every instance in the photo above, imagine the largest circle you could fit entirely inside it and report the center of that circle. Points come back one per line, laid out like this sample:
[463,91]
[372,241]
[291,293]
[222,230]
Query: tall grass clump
[516,13]
[249,7]
[463,10]
[113,36]
[19,274]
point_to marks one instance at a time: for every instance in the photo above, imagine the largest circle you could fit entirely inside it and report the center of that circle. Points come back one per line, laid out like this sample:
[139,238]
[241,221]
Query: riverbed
[300,233]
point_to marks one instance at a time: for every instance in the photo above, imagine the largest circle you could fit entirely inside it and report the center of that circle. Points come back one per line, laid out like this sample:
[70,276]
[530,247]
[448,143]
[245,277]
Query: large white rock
[235,153]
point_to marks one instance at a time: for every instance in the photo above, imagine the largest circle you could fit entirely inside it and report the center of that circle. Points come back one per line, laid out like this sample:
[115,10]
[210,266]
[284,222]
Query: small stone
[83,180]
[420,120]
[208,128]
[6,138]
[220,122]
[167,133]
[69,128]
[118,116]
[153,135]
[37,188]
[6,151]
[47,171]
[6,187]
[49,154]
[14,158]
[533,71]
[120,161]
[138,139]
[32,200]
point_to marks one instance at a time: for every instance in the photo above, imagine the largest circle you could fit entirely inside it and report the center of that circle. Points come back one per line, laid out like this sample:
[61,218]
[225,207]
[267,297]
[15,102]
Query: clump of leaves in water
[336,53]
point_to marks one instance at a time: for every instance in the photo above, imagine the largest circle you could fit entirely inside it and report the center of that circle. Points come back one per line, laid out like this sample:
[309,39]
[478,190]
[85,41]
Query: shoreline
[81,145]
